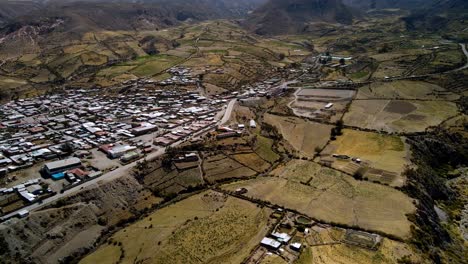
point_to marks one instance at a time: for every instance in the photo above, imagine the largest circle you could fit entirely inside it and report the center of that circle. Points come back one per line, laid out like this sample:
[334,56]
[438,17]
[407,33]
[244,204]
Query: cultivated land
[389,252]
[213,227]
[378,151]
[399,116]
[303,135]
[339,199]
[405,90]
[206,228]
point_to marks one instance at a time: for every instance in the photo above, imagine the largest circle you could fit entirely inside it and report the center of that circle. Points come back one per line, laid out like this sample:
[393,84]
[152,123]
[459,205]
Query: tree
[359,174]
[333,134]
[317,150]
[339,127]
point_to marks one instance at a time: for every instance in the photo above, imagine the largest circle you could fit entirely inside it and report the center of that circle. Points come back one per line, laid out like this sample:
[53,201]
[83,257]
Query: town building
[56,169]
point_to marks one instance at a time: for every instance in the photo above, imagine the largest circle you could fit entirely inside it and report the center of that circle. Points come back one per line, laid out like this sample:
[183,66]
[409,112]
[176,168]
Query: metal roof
[62,163]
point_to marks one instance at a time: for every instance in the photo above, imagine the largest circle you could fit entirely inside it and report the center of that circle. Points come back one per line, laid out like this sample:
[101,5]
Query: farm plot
[252,161]
[205,228]
[381,151]
[263,148]
[153,65]
[301,171]
[172,181]
[405,90]
[389,68]
[317,111]
[339,199]
[303,135]
[220,167]
[399,116]
[325,95]
[389,252]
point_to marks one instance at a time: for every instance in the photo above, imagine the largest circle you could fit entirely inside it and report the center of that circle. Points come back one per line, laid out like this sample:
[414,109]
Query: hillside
[122,14]
[440,16]
[382,4]
[292,16]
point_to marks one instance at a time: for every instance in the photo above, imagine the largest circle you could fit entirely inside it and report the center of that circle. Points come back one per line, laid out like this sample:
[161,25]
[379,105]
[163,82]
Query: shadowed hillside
[292,16]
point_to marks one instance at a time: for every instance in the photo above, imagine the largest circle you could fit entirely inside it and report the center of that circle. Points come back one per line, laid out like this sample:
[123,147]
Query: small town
[63,140]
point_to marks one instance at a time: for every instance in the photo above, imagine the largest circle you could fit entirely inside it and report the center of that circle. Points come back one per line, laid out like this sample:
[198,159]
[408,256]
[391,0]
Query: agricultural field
[337,198]
[152,65]
[273,259]
[252,161]
[206,228]
[263,148]
[303,135]
[389,252]
[378,151]
[302,171]
[220,167]
[405,90]
[398,115]
[173,180]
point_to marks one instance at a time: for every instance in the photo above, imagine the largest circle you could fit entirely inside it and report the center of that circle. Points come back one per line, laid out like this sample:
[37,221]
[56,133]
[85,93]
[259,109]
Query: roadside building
[130,156]
[119,151]
[56,169]
[227,135]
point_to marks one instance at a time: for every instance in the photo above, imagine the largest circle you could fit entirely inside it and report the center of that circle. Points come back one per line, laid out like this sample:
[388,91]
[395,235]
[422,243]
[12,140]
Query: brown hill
[292,16]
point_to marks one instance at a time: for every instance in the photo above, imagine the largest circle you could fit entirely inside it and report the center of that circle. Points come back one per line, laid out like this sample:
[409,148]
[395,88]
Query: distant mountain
[439,15]
[292,16]
[382,4]
[122,14]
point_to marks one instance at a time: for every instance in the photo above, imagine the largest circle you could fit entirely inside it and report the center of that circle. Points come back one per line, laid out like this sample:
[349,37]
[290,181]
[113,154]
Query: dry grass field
[399,116]
[220,167]
[301,170]
[405,90]
[337,198]
[205,228]
[173,181]
[390,252]
[273,259]
[304,136]
[380,151]
[252,161]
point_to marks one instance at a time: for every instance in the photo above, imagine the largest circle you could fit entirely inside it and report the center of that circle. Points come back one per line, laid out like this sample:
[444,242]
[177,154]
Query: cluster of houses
[43,128]
[28,190]
[180,76]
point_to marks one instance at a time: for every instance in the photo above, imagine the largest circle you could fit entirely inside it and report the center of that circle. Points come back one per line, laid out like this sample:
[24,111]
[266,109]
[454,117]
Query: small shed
[252,124]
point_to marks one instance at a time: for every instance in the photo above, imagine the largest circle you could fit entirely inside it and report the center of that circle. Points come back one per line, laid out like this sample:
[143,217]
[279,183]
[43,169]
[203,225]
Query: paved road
[117,173]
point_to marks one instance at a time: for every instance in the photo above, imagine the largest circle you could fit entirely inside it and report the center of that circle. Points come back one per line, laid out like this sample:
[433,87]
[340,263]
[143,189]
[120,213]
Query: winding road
[463,47]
